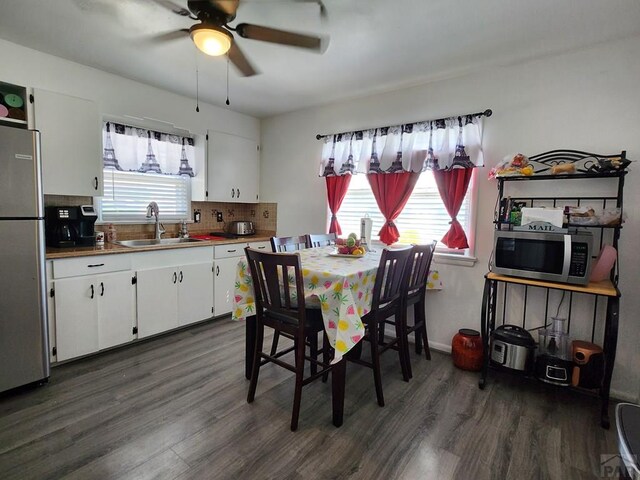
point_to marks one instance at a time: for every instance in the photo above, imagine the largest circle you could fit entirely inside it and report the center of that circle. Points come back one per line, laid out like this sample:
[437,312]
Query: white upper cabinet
[71,143]
[233,168]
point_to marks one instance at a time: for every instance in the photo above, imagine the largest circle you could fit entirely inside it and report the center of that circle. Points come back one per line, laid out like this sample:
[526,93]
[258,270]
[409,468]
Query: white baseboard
[440,347]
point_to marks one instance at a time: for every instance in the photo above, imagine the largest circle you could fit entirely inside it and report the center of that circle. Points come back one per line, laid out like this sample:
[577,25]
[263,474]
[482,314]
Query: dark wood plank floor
[174,408]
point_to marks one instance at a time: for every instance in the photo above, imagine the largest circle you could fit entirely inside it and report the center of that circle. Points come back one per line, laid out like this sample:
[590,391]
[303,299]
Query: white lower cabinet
[93,313]
[224,283]
[157,300]
[225,268]
[177,293]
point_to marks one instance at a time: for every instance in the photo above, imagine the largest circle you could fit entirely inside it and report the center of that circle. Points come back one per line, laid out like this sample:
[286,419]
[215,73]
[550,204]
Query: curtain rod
[487,113]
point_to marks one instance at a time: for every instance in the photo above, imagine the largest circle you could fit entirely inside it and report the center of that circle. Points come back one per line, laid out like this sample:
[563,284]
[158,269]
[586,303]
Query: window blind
[127,194]
[423,219]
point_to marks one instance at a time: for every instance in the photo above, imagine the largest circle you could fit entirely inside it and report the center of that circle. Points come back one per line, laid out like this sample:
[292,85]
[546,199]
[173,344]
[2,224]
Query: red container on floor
[466,349]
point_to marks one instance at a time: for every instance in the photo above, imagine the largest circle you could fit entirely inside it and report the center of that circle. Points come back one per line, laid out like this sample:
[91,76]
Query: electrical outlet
[219,216]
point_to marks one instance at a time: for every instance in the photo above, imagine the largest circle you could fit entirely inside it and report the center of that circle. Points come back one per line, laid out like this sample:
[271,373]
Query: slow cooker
[512,347]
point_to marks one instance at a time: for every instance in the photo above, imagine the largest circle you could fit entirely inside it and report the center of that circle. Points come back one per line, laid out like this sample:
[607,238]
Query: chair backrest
[388,286]
[288,244]
[275,290]
[321,239]
[418,268]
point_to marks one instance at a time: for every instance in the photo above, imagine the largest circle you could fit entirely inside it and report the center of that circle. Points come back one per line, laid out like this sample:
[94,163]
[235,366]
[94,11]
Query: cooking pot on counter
[241,228]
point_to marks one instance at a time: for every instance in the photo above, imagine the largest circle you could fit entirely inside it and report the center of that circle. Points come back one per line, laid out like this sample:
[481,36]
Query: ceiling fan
[213,34]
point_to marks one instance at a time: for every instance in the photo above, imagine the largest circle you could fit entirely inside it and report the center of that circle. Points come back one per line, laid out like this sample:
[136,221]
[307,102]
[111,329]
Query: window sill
[450,259]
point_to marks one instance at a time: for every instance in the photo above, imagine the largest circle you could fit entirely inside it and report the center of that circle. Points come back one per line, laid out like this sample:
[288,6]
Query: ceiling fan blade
[227,6]
[173,7]
[240,61]
[273,35]
[169,36]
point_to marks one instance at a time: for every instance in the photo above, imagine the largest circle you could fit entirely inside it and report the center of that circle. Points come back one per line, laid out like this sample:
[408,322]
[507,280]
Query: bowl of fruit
[349,247]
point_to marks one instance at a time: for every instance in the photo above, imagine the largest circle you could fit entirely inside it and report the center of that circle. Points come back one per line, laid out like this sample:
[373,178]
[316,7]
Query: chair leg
[274,344]
[401,335]
[313,352]
[419,313]
[257,357]
[375,361]
[327,355]
[297,396]
[381,333]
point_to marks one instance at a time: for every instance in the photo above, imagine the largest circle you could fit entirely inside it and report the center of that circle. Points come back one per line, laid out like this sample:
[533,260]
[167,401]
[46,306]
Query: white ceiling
[375,45]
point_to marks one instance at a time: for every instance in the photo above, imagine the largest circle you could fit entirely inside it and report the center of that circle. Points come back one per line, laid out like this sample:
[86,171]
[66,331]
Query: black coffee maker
[70,226]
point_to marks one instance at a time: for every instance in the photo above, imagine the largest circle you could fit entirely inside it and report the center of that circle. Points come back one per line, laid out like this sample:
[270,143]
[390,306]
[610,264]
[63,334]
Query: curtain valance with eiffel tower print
[442,144]
[134,149]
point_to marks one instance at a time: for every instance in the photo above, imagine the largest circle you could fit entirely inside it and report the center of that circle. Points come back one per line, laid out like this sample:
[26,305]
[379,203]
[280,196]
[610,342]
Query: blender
[554,363]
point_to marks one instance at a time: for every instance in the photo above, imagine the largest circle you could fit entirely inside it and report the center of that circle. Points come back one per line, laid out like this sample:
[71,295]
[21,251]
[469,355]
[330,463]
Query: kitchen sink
[150,242]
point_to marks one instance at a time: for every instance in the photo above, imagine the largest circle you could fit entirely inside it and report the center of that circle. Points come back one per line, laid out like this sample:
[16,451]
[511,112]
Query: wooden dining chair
[321,240]
[414,293]
[281,306]
[386,302]
[414,288]
[288,244]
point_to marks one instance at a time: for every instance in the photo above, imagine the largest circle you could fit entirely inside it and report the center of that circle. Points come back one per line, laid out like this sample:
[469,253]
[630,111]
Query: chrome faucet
[153,210]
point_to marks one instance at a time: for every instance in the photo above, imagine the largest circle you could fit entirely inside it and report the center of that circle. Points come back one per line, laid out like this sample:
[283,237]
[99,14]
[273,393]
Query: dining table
[342,287]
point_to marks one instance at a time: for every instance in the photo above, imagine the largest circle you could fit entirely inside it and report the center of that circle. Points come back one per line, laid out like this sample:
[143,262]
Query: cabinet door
[248,164]
[71,144]
[76,307]
[224,281]
[116,309]
[233,168]
[195,293]
[157,300]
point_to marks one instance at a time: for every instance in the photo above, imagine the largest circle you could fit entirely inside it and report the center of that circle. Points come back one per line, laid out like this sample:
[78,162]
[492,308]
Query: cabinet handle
[180,276]
[175,277]
[238,190]
[96,265]
[92,292]
[232,251]
[217,270]
[95,183]
[233,193]
[101,289]
[262,247]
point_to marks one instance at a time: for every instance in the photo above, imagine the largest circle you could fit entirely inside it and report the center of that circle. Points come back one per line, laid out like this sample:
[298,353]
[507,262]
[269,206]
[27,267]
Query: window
[423,219]
[127,194]
[141,166]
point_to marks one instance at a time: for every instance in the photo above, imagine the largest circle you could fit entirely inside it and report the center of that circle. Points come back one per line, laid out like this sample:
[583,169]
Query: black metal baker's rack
[586,166]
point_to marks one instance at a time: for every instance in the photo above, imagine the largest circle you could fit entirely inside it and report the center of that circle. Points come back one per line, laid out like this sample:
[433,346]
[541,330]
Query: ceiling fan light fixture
[211,39]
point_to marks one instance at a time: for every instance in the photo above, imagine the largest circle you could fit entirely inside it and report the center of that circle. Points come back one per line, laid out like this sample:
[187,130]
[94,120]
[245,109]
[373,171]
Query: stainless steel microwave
[556,257]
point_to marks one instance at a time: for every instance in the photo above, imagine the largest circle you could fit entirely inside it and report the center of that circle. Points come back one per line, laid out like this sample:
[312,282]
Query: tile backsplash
[263,215]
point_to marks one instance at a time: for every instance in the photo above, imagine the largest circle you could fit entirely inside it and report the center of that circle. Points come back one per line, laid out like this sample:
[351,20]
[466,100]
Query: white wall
[117,95]
[587,100]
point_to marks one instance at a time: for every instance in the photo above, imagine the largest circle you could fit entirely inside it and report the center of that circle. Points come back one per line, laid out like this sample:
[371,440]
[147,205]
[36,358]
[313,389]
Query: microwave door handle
[567,258]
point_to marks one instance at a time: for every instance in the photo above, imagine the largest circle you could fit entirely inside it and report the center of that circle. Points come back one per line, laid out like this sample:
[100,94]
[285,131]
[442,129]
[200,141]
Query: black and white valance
[443,144]
[134,149]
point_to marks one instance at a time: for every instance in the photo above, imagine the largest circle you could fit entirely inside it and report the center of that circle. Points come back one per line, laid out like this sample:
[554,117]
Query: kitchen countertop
[111,248]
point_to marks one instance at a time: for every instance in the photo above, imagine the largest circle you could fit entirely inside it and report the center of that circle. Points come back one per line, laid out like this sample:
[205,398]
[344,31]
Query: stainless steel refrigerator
[24,344]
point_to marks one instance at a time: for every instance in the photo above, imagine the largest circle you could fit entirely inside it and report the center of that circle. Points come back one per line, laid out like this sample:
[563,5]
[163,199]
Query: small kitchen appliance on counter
[553,364]
[241,228]
[24,342]
[588,369]
[512,347]
[70,226]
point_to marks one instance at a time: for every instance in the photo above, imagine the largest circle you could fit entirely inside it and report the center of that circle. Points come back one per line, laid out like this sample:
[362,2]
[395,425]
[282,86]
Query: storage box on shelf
[496,288]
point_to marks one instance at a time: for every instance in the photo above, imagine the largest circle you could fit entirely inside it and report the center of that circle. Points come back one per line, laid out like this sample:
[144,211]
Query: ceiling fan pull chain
[227,102]
[197,89]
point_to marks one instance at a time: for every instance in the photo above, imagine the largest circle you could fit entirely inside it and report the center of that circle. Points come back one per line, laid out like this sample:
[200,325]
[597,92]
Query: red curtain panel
[392,191]
[336,190]
[452,185]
